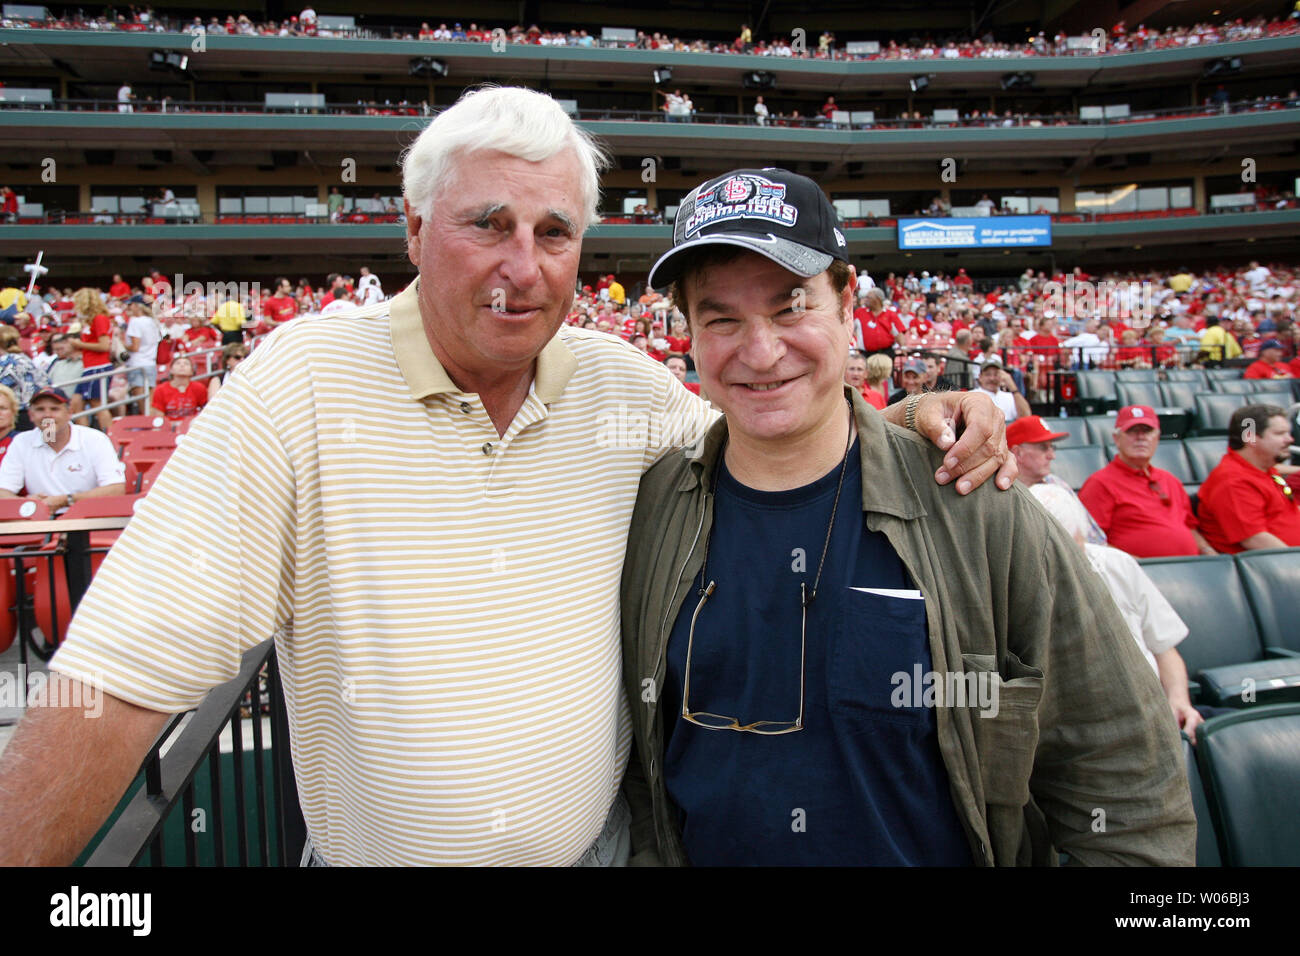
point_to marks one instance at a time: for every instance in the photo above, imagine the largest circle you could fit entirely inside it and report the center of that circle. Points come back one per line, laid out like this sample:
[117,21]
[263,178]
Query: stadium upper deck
[1129,153]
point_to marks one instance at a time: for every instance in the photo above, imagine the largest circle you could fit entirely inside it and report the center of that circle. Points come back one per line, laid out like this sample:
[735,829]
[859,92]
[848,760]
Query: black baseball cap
[49,391]
[774,212]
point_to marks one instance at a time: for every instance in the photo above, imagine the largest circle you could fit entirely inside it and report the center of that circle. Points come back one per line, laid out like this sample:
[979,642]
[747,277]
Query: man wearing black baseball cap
[795,582]
[57,461]
[1269,364]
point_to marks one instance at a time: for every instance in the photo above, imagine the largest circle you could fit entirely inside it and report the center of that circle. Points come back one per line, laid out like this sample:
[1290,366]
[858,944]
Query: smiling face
[498,260]
[775,370]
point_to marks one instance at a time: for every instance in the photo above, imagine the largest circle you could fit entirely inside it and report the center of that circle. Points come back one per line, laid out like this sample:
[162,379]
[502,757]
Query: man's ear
[846,298]
[413,224]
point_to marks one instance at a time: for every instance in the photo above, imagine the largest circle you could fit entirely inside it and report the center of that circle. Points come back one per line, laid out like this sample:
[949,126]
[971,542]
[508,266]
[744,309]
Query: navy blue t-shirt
[863,781]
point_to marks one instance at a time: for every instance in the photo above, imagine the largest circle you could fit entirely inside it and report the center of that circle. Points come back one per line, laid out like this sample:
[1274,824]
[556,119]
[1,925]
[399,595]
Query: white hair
[510,119]
[1062,506]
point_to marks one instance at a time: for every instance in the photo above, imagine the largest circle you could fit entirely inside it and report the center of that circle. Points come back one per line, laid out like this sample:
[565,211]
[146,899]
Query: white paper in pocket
[906,594]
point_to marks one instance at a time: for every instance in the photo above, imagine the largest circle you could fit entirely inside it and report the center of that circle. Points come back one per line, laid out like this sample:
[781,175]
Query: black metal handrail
[169,780]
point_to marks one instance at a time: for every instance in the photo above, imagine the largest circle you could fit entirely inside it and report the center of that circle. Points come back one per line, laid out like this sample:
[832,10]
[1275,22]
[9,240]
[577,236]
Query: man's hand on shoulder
[982,451]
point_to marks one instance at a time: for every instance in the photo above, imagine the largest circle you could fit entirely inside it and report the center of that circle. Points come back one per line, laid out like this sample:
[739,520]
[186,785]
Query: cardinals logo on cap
[743,196]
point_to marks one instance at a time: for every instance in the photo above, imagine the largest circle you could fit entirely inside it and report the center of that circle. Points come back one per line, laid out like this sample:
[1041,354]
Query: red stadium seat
[16,550]
[53,607]
[146,460]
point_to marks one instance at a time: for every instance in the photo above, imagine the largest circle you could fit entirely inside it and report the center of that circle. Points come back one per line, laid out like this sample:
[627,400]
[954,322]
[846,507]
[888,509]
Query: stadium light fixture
[758,80]
[663,75]
[919,83]
[1017,81]
[1227,66]
[428,66]
[169,61]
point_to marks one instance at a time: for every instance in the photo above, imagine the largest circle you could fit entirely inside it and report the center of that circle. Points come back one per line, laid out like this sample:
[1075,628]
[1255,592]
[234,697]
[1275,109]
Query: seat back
[1213,412]
[1133,375]
[146,459]
[1180,394]
[1272,581]
[1233,386]
[1194,376]
[1203,454]
[1221,374]
[1076,427]
[1208,595]
[1250,762]
[1139,392]
[1100,428]
[1207,837]
[1074,464]
[152,439]
[22,509]
[1170,456]
[1097,385]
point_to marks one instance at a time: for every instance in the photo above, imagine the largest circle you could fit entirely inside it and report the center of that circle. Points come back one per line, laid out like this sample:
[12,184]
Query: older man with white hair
[435,541]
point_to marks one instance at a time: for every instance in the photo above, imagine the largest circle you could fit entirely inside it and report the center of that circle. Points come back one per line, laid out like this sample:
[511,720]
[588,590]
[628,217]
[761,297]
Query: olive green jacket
[1083,756]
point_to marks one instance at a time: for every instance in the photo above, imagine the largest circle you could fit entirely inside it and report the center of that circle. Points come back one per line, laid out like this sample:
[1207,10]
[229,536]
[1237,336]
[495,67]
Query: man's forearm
[1262,540]
[104,491]
[1204,546]
[1173,677]
[64,772]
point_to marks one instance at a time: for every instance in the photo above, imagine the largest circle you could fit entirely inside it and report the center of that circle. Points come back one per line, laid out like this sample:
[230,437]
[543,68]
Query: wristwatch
[909,410]
[72,499]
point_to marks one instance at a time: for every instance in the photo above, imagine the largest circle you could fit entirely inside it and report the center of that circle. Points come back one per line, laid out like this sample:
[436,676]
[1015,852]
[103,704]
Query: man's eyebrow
[564,219]
[479,213]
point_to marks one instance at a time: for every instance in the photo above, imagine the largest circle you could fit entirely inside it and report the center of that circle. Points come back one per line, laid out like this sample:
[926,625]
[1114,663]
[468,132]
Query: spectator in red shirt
[1165,354]
[281,307]
[1245,502]
[1269,364]
[179,397]
[680,340]
[1143,510]
[1130,354]
[94,345]
[677,365]
[876,328]
[119,289]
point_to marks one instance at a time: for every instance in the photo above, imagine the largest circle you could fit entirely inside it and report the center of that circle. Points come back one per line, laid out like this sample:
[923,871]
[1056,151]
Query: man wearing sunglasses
[830,664]
[1144,510]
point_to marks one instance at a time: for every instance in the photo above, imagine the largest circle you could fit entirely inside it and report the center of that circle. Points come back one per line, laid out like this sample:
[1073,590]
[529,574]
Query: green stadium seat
[1138,393]
[1096,390]
[1223,648]
[1180,394]
[1100,428]
[1076,426]
[1221,374]
[1073,464]
[1133,375]
[1234,386]
[1203,454]
[1250,762]
[1172,458]
[1271,578]
[1273,396]
[1214,411]
[1207,838]
[1192,376]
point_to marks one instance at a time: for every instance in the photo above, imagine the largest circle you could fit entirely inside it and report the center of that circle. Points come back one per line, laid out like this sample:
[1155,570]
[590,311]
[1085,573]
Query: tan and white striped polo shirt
[444,599]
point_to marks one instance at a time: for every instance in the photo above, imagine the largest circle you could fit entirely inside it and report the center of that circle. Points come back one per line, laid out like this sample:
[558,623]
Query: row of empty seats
[1242,651]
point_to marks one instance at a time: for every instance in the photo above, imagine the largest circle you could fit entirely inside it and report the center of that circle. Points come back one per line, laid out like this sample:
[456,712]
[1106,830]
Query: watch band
[909,409]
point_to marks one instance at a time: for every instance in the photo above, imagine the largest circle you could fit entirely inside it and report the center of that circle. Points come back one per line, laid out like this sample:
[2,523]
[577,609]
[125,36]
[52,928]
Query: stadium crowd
[1118,39]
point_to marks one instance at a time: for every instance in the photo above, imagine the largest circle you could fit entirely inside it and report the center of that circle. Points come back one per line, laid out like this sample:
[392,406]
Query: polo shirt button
[464,407]
[487,448]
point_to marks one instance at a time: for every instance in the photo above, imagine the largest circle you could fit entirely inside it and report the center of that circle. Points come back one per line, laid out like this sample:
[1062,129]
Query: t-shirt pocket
[879,656]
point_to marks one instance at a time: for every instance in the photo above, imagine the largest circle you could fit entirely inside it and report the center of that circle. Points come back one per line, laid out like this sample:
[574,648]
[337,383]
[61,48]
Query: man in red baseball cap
[1143,510]
[1032,442]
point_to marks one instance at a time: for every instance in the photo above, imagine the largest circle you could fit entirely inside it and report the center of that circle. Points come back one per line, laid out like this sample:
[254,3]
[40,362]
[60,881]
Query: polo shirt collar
[425,375]
[1130,470]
